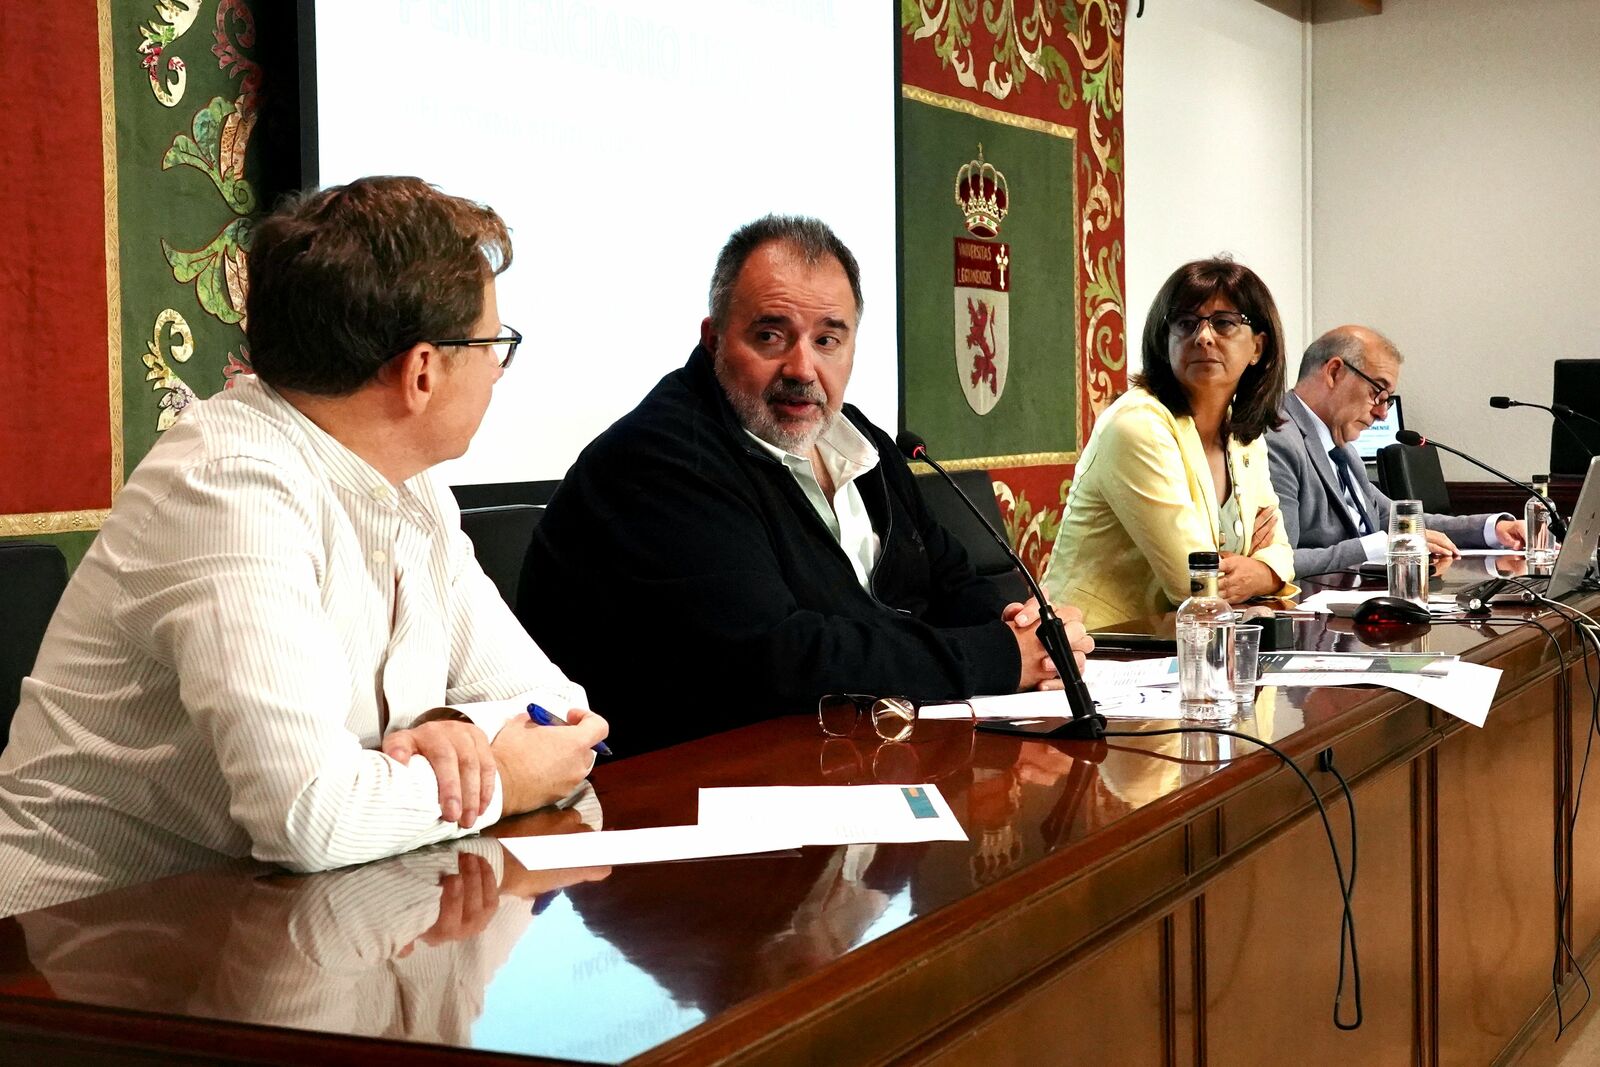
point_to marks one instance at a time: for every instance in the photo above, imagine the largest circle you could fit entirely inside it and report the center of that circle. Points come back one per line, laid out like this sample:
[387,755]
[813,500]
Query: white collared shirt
[847,454]
[260,609]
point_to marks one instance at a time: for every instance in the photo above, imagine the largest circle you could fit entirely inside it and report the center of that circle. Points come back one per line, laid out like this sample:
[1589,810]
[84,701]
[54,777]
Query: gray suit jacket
[1314,516]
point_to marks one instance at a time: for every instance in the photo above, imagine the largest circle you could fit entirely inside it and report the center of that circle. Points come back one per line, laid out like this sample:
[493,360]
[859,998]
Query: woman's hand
[1244,577]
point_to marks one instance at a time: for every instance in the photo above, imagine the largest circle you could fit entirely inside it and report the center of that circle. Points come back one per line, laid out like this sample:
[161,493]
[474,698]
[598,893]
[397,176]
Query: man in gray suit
[1334,516]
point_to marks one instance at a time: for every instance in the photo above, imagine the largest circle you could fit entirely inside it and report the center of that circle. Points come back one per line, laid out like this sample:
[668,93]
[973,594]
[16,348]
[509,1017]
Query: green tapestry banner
[1006,369]
[987,224]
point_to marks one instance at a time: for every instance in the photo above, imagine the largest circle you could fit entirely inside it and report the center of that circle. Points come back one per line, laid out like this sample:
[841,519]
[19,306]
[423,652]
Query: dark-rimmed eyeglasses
[1223,323]
[892,718]
[504,347]
[1381,397]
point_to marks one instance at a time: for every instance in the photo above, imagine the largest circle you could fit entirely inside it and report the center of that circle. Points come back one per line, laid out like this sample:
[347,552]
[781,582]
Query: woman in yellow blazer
[1178,464]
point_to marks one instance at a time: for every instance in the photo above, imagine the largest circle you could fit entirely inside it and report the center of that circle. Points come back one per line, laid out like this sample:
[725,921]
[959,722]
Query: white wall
[622,141]
[1456,205]
[1214,126]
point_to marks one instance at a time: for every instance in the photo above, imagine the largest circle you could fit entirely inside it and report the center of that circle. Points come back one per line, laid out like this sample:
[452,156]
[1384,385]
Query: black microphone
[1560,411]
[1412,437]
[1086,724]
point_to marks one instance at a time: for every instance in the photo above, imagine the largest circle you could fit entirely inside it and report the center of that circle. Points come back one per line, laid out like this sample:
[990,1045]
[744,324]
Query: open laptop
[1583,534]
[1573,563]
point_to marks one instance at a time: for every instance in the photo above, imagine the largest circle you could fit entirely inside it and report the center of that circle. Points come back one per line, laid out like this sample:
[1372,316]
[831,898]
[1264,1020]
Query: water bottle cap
[1204,561]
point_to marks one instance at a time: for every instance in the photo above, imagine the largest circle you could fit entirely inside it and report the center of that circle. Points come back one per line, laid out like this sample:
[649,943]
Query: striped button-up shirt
[259,610]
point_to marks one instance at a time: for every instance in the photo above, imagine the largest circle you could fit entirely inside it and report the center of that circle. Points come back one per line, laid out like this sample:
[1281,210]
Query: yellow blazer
[1140,502]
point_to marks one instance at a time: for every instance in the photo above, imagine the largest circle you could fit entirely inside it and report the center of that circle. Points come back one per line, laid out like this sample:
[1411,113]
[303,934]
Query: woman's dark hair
[343,279]
[1256,400]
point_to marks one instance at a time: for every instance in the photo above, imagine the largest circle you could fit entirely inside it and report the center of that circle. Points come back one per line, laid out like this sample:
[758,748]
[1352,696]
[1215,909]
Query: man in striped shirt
[280,644]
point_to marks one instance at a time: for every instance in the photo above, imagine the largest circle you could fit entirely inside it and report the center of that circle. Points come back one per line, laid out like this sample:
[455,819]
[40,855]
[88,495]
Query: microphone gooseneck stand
[1086,724]
[1411,437]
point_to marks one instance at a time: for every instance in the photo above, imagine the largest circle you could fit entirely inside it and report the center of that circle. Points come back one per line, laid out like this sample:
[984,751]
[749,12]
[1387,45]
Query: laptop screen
[1381,433]
[1583,533]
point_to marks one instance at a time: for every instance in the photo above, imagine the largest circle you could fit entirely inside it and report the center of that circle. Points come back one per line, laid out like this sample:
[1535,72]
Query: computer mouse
[1390,611]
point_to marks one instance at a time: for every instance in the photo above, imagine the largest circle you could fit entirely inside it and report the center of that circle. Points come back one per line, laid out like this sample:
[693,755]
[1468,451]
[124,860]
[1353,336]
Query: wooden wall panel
[1111,1009]
[1586,834]
[1496,818]
[1272,936]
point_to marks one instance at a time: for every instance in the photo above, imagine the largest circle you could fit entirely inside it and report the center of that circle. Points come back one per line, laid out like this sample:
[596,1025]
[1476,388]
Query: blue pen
[544,718]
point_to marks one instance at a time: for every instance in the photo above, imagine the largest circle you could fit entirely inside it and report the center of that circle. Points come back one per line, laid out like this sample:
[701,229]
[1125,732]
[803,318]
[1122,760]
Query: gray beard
[755,416]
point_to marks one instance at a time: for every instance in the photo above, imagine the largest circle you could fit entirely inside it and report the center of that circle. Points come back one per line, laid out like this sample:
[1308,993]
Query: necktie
[1347,480]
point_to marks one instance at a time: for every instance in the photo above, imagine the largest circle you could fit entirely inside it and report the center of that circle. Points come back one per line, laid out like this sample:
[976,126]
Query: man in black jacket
[743,541]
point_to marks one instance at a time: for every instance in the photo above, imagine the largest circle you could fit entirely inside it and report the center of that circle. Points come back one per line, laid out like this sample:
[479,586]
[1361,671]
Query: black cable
[1583,626]
[1346,888]
[1347,930]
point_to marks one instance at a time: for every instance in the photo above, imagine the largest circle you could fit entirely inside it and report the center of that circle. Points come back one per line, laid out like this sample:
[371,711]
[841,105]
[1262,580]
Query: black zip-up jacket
[682,577]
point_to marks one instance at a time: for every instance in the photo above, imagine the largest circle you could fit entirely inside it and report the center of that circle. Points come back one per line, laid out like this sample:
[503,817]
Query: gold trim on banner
[52,522]
[108,158]
[1026,459]
[1080,369]
[989,114]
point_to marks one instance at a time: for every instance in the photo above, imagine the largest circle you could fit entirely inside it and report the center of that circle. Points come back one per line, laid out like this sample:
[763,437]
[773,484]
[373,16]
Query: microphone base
[1089,728]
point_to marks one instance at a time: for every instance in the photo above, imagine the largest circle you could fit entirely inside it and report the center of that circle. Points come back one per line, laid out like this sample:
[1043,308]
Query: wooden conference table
[1156,900]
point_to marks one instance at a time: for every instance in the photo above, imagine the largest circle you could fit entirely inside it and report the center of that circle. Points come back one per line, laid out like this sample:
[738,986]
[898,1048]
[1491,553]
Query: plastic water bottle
[1536,518]
[1408,552]
[1205,645]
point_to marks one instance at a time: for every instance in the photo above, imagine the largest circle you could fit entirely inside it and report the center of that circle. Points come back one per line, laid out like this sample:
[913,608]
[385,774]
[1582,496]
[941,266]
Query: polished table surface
[810,954]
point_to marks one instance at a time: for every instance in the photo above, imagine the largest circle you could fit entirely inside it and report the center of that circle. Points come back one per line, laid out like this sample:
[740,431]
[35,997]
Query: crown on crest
[982,195]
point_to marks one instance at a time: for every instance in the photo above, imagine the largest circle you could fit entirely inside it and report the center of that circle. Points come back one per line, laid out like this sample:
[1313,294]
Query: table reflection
[399,948]
[742,926]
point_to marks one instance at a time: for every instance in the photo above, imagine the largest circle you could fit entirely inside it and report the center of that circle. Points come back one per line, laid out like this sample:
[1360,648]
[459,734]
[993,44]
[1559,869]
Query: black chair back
[500,537]
[988,559]
[32,577]
[1412,472]
[496,494]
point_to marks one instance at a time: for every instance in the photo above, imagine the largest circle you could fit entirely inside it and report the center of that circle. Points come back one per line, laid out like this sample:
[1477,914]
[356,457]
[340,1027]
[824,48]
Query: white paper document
[1332,600]
[1050,704]
[1343,602]
[1466,691]
[1109,675]
[613,848]
[1131,689]
[1148,703]
[835,814]
[1127,703]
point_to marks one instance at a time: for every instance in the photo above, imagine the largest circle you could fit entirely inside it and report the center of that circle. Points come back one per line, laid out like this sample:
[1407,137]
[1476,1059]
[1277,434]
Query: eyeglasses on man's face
[1381,397]
[504,347]
[1223,323]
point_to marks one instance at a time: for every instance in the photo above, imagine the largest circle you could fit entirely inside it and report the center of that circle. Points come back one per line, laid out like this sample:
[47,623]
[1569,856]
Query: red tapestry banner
[60,446]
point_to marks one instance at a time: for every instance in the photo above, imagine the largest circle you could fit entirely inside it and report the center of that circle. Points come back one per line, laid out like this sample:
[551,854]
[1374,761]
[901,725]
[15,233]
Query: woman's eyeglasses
[1223,323]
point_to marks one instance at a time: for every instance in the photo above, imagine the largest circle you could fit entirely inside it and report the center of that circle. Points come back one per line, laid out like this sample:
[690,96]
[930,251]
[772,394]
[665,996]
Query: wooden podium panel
[1272,925]
[1155,900]
[1496,886]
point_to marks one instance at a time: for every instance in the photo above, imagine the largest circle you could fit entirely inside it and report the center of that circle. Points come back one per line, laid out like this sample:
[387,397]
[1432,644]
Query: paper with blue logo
[836,814]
